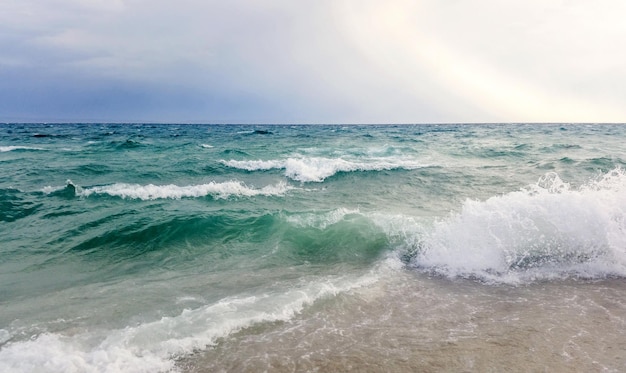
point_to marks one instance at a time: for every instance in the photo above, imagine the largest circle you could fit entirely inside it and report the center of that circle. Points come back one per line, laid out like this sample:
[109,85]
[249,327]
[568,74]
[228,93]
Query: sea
[312,248]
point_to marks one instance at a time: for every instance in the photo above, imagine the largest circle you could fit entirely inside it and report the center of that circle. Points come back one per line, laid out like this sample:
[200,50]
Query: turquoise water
[143,248]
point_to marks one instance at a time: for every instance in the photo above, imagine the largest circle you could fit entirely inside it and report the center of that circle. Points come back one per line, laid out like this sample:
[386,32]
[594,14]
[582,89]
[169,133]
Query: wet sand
[416,323]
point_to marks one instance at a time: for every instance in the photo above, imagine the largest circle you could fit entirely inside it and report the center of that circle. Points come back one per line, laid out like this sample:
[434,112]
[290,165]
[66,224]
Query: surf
[218,190]
[318,169]
[155,346]
[544,231]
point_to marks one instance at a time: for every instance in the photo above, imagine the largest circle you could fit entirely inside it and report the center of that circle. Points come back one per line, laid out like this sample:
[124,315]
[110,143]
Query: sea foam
[321,220]
[547,230]
[317,169]
[154,346]
[152,192]
[12,148]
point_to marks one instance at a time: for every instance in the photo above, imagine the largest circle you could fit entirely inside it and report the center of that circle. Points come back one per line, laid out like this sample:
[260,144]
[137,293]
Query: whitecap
[317,169]
[12,148]
[171,191]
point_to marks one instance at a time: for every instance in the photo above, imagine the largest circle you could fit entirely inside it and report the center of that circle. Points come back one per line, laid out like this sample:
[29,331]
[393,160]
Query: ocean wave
[4,149]
[317,169]
[155,346]
[217,190]
[320,220]
[15,205]
[268,239]
[171,191]
[547,230]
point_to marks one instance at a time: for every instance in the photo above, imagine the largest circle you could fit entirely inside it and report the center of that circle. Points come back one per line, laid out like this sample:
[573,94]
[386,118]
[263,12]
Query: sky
[312,61]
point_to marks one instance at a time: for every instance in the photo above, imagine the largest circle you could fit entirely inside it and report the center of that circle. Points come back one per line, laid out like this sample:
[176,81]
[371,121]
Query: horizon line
[302,123]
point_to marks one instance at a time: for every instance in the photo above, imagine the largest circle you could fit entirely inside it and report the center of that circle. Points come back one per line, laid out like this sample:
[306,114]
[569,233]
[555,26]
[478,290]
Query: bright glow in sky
[313,61]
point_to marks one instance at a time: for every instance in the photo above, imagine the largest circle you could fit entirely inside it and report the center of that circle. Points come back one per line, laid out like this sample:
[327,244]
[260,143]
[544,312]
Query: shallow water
[413,322]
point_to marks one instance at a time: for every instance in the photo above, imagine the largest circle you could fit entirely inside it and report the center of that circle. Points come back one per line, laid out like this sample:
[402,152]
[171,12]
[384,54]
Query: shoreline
[439,325]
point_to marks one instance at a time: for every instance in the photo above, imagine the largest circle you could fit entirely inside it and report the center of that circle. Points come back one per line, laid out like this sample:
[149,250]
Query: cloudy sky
[313,61]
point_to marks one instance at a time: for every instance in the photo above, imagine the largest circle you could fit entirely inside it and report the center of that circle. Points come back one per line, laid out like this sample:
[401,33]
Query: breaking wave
[152,192]
[4,149]
[155,346]
[317,169]
[547,230]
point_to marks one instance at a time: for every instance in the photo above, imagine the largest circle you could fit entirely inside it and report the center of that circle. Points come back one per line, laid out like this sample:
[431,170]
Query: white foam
[11,148]
[546,230]
[317,169]
[4,336]
[153,346]
[68,183]
[51,189]
[206,146]
[217,190]
[320,221]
